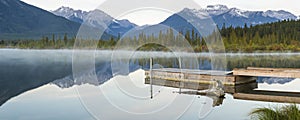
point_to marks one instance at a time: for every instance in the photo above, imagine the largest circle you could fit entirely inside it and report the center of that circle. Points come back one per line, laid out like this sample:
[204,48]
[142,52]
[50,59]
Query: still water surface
[38,84]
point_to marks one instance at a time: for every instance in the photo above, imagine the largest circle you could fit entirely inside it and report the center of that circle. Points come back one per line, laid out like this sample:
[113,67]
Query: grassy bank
[288,112]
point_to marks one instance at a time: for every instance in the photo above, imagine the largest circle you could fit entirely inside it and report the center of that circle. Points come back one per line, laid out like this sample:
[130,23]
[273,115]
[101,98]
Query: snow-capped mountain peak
[70,13]
[217,7]
[215,10]
[186,12]
[237,12]
[280,14]
[222,15]
[95,18]
[236,17]
[65,9]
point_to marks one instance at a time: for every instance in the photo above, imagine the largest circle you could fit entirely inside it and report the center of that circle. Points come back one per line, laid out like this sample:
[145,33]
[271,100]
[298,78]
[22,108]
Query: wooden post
[151,82]
[180,82]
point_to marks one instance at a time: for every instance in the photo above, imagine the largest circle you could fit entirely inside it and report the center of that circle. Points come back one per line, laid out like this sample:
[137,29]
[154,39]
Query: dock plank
[268,72]
[271,69]
[194,71]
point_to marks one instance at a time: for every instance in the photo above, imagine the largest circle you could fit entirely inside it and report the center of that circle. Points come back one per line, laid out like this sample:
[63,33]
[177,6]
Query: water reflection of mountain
[271,80]
[23,70]
[103,73]
[18,77]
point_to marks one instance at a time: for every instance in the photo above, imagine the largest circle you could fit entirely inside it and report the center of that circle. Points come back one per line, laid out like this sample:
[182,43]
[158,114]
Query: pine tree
[65,39]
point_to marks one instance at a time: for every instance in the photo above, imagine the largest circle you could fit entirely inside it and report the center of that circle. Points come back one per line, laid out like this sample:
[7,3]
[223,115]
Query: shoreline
[275,53]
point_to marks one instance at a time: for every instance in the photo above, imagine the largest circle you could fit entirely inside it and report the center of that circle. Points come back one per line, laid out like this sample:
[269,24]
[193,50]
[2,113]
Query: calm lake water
[48,84]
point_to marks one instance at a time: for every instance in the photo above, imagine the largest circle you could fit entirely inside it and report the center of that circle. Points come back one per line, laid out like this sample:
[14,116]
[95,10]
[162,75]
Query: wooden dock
[235,77]
[268,72]
[200,86]
[241,83]
[198,76]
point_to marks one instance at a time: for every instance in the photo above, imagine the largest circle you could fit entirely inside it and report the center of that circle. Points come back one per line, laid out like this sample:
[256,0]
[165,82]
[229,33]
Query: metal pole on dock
[151,83]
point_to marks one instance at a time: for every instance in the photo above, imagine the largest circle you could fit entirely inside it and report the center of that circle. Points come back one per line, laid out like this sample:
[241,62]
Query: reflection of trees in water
[276,61]
[188,63]
[264,61]
[17,78]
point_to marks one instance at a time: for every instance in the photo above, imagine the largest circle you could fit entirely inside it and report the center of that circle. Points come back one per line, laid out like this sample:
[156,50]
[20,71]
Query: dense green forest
[278,36]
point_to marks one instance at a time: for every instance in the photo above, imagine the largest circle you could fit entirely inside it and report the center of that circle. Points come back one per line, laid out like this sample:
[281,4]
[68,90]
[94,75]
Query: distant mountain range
[19,20]
[222,15]
[96,18]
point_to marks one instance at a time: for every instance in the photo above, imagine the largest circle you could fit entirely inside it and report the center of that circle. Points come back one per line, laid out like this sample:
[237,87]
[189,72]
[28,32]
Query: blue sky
[254,5]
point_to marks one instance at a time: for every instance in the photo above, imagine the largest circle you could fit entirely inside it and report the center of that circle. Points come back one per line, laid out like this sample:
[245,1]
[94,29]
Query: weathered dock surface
[200,86]
[268,72]
[270,96]
[241,83]
[198,76]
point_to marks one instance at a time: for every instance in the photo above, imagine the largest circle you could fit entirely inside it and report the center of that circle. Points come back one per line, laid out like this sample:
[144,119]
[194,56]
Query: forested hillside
[271,37]
[278,36]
